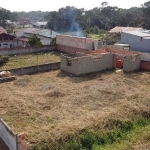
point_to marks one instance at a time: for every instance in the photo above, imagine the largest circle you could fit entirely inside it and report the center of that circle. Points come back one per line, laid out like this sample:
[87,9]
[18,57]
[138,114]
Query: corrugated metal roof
[42,32]
[145,34]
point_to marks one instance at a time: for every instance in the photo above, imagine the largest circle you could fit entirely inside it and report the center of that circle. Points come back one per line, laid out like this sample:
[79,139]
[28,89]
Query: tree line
[104,17]
[73,19]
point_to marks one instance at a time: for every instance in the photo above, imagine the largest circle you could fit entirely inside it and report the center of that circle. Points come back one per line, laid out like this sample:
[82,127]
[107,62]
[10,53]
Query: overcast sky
[50,5]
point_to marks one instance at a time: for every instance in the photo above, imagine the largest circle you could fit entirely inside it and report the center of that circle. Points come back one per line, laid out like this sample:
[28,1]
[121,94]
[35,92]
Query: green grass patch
[26,60]
[122,134]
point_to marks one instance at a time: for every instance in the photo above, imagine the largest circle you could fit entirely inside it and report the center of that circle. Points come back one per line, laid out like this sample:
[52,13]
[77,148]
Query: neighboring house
[45,35]
[9,22]
[21,42]
[137,40]
[6,40]
[10,41]
[118,29]
[22,31]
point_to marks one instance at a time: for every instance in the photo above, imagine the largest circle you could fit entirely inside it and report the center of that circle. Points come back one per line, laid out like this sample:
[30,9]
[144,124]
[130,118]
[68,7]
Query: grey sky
[50,5]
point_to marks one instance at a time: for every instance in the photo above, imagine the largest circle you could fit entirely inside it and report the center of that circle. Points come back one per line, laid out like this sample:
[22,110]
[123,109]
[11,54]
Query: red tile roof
[120,29]
[2,30]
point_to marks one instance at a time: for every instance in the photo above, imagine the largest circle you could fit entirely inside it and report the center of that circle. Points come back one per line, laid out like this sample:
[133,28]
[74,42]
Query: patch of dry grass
[26,60]
[52,105]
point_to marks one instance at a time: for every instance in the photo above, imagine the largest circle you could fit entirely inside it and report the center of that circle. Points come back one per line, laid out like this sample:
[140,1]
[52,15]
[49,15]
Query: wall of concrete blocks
[12,140]
[94,61]
[35,69]
[27,50]
[87,63]
[76,42]
[131,63]
[8,136]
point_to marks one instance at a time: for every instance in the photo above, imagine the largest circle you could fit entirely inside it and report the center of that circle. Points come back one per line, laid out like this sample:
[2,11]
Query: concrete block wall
[76,42]
[96,63]
[132,63]
[12,140]
[87,63]
[35,69]
[26,50]
[66,67]
[8,136]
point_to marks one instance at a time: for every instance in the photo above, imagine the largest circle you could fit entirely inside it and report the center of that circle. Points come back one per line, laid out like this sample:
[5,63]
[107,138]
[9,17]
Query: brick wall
[145,65]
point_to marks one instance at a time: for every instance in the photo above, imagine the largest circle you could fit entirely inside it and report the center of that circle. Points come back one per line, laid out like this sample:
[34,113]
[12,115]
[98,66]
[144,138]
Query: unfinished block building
[84,56]
[100,60]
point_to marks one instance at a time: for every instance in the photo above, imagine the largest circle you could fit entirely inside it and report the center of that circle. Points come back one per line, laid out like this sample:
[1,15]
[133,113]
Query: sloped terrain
[48,106]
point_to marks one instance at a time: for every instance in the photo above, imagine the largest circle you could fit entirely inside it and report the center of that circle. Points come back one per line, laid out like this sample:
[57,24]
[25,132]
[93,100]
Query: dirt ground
[54,104]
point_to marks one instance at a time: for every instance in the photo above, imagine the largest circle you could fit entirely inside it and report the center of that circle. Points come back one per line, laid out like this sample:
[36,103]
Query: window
[5,44]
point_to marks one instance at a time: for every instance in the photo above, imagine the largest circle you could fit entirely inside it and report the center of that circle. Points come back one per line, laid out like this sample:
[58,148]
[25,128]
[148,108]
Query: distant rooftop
[21,31]
[39,24]
[42,23]
[118,29]
[42,32]
[145,34]
[2,30]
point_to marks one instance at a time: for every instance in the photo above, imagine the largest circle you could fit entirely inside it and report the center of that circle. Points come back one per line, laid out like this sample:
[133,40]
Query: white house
[137,40]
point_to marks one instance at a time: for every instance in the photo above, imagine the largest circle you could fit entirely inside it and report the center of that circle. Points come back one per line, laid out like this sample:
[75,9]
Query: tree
[146,16]
[34,41]
[4,15]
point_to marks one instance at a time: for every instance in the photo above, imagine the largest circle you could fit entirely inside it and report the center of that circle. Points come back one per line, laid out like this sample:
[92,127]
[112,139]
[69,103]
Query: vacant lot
[51,105]
[25,60]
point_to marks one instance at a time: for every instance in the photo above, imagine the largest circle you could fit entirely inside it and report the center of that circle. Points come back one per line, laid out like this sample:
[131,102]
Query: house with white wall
[137,40]
[46,36]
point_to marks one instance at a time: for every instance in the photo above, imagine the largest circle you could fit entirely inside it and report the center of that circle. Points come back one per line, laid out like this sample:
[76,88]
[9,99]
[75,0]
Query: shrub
[4,59]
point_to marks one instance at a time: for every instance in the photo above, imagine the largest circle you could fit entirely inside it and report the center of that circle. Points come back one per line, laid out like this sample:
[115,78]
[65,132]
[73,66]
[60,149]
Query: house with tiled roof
[10,41]
[2,30]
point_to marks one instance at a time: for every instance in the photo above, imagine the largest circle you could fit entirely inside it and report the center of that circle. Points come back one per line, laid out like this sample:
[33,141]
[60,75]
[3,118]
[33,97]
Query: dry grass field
[51,105]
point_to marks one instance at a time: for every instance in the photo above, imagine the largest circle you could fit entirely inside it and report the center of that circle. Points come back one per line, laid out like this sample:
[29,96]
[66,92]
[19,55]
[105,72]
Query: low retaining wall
[26,50]
[8,136]
[12,140]
[36,69]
